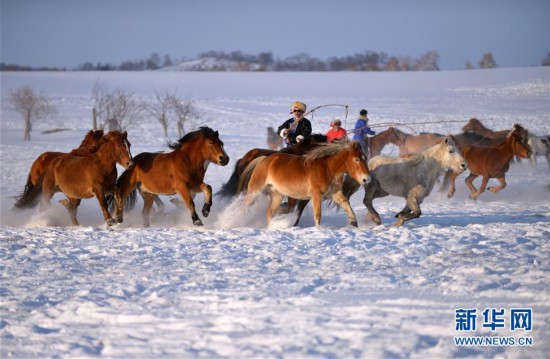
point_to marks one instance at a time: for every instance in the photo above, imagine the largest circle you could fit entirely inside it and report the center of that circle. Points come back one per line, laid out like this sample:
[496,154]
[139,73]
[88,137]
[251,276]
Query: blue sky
[66,33]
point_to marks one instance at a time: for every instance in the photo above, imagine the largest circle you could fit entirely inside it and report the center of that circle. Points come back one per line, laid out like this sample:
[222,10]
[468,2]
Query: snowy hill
[238,288]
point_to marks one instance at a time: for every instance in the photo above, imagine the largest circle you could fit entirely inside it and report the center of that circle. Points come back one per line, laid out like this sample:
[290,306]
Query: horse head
[473,125]
[397,137]
[121,147]
[518,136]
[448,155]
[357,163]
[215,150]
[91,142]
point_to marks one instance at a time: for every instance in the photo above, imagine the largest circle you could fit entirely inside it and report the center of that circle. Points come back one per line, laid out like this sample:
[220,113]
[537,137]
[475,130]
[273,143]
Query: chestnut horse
[316,175]
[413,144]
[180,171]
[230,188]
[86,177]
[43,163]
[492,162]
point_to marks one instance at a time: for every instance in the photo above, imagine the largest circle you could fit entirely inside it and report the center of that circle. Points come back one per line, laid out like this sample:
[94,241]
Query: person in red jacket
[336,132]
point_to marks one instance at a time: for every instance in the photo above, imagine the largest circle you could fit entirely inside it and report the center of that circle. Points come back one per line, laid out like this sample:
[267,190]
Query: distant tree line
[265,61]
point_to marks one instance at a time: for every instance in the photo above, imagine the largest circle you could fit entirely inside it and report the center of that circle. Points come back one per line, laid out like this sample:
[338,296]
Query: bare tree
[185,110]
[427,62]
[487,62]
[161,109]
[115,110]
[31,105]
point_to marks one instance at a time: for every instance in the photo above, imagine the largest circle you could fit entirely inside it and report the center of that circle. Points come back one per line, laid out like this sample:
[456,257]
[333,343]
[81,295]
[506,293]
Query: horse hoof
[119,220]
[111,222]
[354,223]
[205,212]
[198,223]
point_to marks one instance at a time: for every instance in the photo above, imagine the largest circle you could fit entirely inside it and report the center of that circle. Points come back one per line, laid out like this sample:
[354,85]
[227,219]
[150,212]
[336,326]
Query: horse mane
[204,131]
[326,150]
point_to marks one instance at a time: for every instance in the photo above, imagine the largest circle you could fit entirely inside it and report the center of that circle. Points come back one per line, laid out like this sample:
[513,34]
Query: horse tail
[31,194]
[247,173]
[231,187]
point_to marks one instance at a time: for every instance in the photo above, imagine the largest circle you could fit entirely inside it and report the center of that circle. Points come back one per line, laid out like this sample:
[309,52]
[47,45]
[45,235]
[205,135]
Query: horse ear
[216,134]
[125,134]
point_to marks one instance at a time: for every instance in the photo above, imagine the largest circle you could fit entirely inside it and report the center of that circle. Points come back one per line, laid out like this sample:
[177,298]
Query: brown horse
[414,144]
[43,163]
[378,141]
[230,188]
[316,175]
[180,171]
[85,177]
[475,126]
[492,162]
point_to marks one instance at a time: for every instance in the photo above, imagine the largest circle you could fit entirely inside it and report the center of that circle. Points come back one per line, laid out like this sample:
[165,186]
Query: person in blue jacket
[362,130]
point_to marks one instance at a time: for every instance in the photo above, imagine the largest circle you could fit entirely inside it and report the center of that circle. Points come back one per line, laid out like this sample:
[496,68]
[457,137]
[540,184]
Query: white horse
[540,146]
[412,178]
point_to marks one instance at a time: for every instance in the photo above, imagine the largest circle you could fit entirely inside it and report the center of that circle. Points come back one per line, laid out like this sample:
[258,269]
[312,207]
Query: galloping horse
[85,177]
[492,162]
[230,188]
[378,141]
[475,126]
[316,175]
[180,171]
[43,163]
[412,178]
[413,144]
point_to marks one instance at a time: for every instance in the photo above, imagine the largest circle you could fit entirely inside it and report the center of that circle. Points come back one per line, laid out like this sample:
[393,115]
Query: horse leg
[187,198]
[275,201]
[470,183]
[72,206]
[160,204]
[316,203]
[482,187]
[502,181]
[301,206]
[412,209]
[48,190]
[100,195]
[339,198]
[148,199]
[451,177]
[207,191]
[373,191]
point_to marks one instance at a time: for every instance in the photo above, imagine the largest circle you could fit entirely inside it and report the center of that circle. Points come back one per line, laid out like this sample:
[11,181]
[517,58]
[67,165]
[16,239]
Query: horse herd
[310,170]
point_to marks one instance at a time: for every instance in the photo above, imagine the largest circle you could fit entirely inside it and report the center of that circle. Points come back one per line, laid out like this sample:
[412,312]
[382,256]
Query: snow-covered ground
[237,288]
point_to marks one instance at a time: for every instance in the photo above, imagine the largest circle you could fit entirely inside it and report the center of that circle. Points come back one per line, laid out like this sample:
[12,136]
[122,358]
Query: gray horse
[412,178]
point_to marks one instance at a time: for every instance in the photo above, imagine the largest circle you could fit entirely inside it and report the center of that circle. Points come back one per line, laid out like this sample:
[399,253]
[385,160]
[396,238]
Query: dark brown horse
[492,162]
[316,175]
[43,163]
[475,126]
[180,171]
[86,177]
